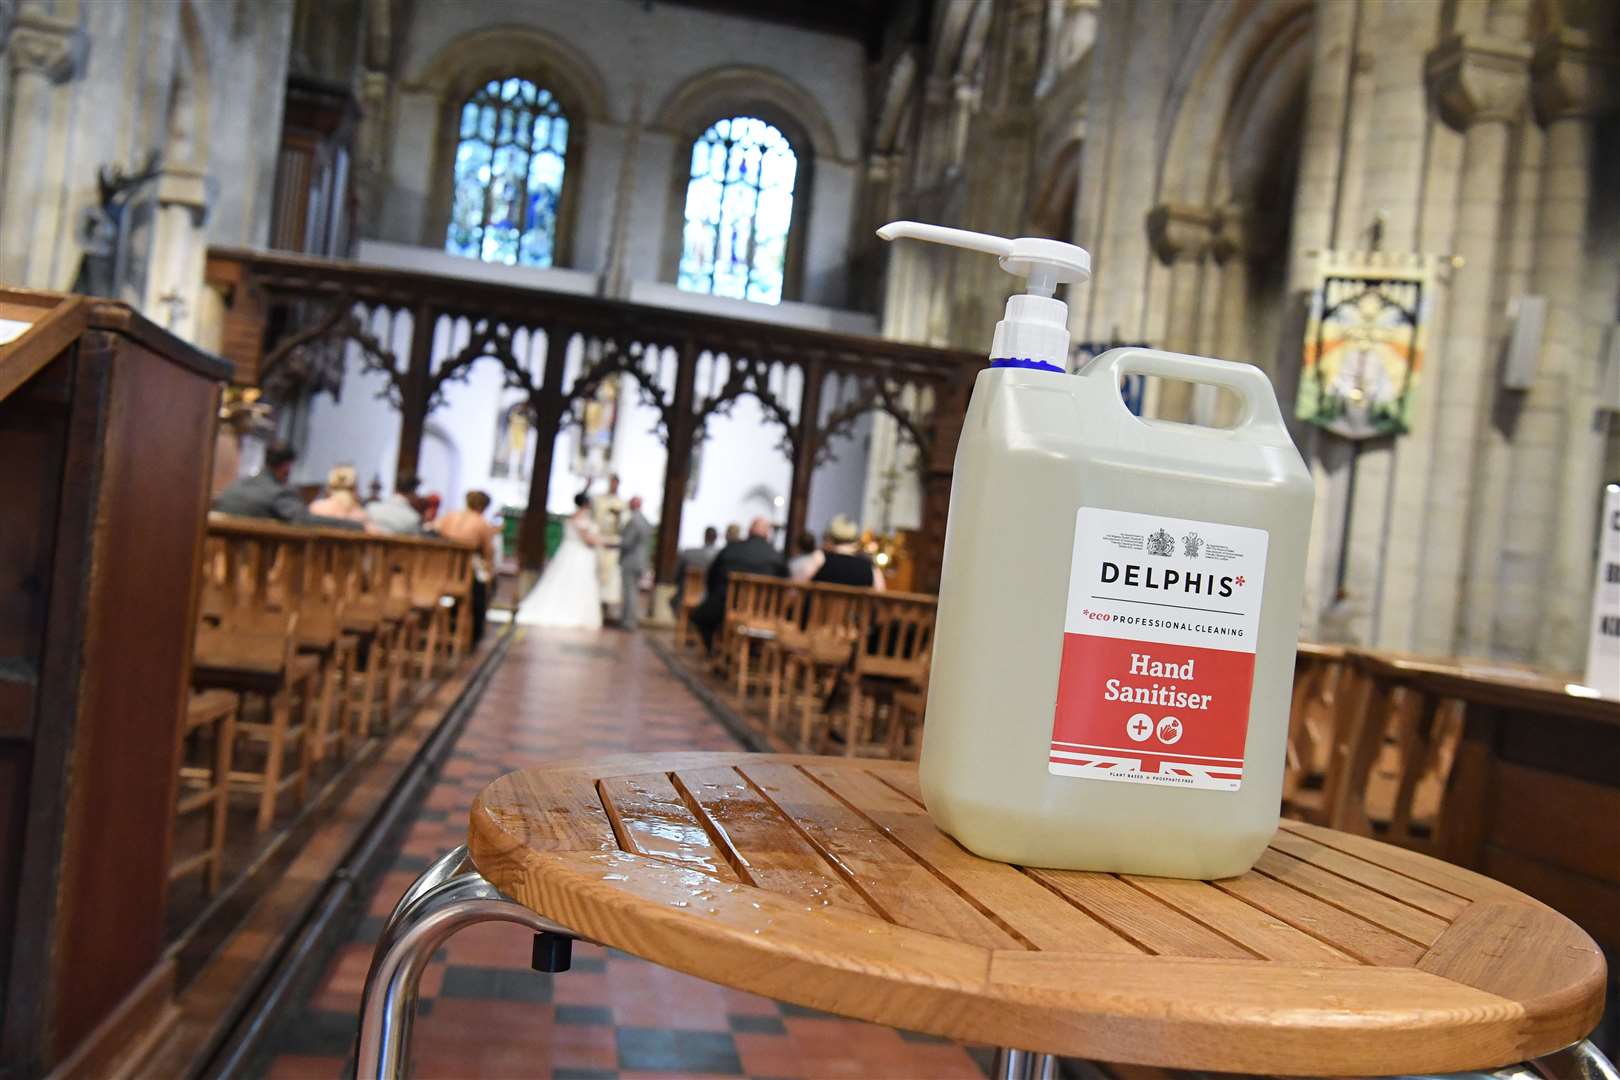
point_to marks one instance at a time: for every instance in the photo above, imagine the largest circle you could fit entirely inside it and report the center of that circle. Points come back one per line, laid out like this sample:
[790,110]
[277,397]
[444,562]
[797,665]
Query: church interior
[506,572]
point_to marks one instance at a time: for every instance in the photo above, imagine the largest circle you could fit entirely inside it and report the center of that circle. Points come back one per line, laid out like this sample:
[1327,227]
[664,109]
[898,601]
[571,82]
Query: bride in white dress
[568,594]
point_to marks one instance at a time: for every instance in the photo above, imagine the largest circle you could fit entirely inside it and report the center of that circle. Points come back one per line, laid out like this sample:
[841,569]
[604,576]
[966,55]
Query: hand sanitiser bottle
[1118,607]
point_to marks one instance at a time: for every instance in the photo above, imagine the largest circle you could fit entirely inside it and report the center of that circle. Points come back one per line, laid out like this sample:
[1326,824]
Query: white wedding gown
[568,594]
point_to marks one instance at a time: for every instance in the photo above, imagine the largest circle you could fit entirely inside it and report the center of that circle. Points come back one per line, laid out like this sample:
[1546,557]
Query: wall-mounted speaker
[1609,384]
[1523,350]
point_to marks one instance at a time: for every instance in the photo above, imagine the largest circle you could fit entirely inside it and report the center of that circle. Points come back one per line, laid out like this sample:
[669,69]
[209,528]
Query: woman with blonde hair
[341,500]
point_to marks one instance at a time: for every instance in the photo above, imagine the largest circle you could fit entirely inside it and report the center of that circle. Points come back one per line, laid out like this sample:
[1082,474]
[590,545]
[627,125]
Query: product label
[1158,650]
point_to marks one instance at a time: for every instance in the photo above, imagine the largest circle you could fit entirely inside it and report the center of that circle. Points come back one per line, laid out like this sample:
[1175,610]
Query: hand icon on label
[1169,731]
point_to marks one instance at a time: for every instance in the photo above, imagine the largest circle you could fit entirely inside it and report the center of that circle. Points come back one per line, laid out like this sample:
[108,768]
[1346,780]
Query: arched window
[508,175]
[739,203]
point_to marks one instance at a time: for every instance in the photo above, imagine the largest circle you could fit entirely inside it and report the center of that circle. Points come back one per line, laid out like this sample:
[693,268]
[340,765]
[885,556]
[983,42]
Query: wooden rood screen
[293,323]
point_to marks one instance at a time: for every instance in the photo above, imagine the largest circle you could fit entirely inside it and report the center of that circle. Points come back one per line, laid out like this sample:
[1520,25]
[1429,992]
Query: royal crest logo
[1191,545]
[1161,543]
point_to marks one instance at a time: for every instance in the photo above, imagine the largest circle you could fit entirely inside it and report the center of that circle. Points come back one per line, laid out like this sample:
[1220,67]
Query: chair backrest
[899,636]
[1394,756]
[692,588]
[833,621]
[1318,712]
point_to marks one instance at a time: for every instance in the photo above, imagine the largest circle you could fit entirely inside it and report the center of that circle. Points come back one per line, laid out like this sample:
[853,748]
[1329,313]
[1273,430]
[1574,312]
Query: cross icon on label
[1139,727]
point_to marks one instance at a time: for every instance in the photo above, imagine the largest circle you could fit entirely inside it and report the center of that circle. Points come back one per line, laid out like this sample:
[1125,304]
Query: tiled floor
[486,1014]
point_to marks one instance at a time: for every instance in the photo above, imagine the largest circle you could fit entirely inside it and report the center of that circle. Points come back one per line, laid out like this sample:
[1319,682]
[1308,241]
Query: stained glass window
[739,203]
[509,175]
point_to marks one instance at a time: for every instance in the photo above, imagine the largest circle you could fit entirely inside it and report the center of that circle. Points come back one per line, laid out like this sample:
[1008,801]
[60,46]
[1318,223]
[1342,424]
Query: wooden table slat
[1261,934]
[1393,915]
[773,855]
[651,818]
[1040,921]
[1356,936]
[1423,896]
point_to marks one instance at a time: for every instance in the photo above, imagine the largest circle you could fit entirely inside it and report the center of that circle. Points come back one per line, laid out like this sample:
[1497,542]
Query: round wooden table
[822,882]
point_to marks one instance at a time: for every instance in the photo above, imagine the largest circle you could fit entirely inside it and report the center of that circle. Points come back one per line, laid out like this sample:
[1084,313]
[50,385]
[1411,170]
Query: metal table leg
[1023,1065]
[447,897]
[450,895]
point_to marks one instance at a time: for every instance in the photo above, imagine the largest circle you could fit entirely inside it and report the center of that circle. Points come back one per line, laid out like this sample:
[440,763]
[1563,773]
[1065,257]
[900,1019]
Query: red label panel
[1146,712]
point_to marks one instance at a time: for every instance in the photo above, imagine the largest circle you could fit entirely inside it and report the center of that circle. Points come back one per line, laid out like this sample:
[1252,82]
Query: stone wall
[87,86]
[1220,147]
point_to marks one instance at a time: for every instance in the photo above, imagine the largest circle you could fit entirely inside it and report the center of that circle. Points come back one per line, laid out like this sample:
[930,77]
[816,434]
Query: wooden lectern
[106,433]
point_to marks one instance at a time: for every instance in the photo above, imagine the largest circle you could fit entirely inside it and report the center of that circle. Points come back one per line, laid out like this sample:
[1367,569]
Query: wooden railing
[293,322]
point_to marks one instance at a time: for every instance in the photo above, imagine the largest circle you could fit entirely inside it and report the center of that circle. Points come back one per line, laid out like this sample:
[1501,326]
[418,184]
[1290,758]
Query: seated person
[470,526]
[266,494]
[398,513]
[754,555]
[807,558]
[698,558]
[845,563]
[342,499]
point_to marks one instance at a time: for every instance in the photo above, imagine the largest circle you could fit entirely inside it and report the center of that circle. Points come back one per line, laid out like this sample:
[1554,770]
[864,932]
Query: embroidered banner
[1364,343]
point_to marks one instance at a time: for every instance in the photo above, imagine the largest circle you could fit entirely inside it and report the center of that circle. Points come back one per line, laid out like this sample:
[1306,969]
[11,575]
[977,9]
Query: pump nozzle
[1034,331]
[1046,263]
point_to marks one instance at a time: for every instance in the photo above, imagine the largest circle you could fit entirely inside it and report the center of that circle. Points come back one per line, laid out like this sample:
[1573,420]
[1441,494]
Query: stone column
[174,277]
[1480,86]
[1575,271]
[43,54]
[1183,239]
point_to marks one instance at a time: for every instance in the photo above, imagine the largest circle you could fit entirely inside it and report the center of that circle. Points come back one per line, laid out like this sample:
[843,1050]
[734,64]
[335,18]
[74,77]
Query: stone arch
[720,93]
[1236,58]
[472,60]
[710,95]
[1235,112]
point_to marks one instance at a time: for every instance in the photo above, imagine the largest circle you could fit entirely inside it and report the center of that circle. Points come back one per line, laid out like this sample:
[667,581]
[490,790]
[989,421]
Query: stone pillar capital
[38,43]
[1571,78]
[1182,233]
[1476,79]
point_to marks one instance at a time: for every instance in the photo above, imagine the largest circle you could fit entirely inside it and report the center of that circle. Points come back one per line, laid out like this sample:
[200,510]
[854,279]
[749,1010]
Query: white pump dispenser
[1118,604]
[1035,327]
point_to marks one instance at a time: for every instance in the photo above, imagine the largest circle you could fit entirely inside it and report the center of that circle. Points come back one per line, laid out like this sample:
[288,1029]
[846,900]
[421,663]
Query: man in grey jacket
[634,535]
[266,494]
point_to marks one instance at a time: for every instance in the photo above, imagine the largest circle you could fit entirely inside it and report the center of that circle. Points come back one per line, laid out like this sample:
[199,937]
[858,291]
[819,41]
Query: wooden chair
[1395,756]
[211,720]
[811,665]
[1318,717]
[433,592]
[394,568]
[691,596]
[906,709]
[299,583]
[755,626]
[891,655]
[259,657]
[339,560]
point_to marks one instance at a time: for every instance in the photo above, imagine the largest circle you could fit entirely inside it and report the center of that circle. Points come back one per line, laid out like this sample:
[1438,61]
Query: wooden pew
[1501,770]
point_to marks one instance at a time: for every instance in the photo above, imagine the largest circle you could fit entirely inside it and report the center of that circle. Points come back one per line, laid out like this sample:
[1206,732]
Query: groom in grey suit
[634,535]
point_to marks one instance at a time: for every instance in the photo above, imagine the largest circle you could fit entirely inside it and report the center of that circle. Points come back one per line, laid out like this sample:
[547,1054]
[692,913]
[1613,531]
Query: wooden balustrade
[292,323]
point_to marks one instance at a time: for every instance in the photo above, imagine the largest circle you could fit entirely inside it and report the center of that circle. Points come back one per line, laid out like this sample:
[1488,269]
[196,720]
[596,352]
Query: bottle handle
[1249,383]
